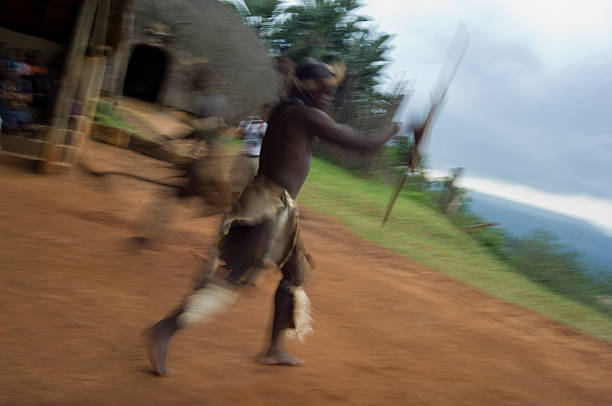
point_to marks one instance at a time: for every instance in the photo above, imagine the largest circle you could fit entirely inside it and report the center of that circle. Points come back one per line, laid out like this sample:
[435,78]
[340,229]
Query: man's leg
[213,298]
[158,214]
[157,338]
[283,319]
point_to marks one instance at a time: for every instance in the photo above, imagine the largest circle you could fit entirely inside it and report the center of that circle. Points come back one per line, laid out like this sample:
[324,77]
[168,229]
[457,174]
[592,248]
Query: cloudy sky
[528,114]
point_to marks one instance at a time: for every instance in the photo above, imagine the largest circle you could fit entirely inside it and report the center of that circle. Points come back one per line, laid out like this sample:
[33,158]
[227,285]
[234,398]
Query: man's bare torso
[293,126]
[287,148]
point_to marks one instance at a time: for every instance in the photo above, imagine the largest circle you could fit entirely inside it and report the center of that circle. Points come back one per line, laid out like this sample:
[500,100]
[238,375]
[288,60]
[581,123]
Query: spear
[445,77]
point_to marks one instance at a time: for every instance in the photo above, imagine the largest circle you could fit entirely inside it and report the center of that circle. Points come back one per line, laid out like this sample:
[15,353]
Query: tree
[257,13]
[320,29]
[330,30]
[327,30]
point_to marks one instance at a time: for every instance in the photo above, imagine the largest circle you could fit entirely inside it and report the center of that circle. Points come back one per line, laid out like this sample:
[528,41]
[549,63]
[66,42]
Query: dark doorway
[145,73]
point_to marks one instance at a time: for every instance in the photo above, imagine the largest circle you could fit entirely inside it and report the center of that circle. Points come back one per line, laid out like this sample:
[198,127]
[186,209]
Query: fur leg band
[206,302]
[302,318]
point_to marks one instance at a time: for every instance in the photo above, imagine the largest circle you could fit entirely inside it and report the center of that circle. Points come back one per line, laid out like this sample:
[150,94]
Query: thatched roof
[213,30]
[201,28]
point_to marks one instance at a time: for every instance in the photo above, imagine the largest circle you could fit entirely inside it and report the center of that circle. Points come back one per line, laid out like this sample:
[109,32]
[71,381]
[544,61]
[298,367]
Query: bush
[543,259]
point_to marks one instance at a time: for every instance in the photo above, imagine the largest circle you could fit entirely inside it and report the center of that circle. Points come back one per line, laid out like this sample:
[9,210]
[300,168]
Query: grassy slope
[418,232]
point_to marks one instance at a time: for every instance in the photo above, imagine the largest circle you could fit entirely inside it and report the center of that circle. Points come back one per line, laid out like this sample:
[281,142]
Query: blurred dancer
[264,223]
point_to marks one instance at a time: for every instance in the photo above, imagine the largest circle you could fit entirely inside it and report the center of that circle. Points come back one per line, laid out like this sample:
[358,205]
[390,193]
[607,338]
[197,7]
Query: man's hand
[423,129]
[386,135]
[418,136]
[390,132]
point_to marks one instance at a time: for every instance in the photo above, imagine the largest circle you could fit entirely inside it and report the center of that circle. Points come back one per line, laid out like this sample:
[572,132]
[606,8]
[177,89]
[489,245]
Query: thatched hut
[172,51]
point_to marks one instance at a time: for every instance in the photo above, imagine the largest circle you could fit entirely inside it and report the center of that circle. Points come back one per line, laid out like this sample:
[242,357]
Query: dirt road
[75,299]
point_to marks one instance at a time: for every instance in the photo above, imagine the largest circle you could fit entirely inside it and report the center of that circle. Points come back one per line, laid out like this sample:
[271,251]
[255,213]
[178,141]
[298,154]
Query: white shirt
[253,136]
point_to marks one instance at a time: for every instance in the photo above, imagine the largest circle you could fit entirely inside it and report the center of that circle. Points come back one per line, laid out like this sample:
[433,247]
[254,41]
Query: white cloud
[561,32]
[528,103]
[596,211]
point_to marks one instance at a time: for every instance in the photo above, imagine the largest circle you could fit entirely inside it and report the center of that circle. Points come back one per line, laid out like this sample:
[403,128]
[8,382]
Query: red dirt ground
[75,299]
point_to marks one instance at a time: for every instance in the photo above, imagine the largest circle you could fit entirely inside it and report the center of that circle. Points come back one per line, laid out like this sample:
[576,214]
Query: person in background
[252,137]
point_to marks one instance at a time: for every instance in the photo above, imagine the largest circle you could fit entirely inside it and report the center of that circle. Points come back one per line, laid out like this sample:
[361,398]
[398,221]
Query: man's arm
[321,125]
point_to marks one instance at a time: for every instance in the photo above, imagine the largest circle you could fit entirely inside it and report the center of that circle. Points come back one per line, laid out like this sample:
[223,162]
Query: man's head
[316,81]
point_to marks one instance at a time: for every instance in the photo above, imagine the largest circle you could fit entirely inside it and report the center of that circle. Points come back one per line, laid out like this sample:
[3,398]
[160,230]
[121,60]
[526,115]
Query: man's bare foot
[157,347]
[278,357]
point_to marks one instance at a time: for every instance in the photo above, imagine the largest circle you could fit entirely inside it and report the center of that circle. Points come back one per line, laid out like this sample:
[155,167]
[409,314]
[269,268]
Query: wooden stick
[447,73]
[398,187]
[479,226]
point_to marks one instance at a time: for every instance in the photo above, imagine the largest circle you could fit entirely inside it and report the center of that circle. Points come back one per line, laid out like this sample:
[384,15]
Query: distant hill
[520,219]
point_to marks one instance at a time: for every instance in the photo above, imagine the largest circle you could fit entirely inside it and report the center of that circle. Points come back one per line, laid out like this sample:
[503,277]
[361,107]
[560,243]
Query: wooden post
[93,75]
[69,83]
[99,33]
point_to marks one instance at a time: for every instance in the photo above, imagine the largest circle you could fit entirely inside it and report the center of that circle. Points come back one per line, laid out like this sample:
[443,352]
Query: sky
[528,113]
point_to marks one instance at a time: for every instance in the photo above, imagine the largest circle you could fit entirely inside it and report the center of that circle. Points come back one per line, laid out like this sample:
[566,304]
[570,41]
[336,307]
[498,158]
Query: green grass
[418,232]
[115,117]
